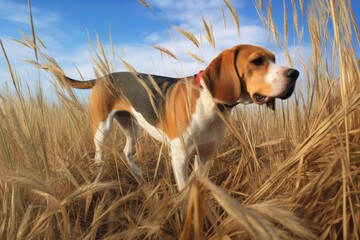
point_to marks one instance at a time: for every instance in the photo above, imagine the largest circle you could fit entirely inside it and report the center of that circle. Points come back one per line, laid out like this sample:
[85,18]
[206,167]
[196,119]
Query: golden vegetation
[289,174]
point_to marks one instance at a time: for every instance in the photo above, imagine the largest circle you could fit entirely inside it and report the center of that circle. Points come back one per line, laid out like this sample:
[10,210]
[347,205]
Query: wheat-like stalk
[289,174]
[188,35]
[234,16]
[166,51]
[144,3]
[209,33]
[286,27]
[196,57]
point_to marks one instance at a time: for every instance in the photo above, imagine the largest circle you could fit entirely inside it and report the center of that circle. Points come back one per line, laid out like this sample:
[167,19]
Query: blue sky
[65,28]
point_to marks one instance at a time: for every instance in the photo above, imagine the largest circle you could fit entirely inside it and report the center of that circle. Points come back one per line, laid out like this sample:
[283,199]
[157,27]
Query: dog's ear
[221,77]
[271,104]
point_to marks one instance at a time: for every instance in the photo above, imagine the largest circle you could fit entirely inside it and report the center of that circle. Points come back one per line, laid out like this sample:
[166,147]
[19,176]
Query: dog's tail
[79,84]
[64,80]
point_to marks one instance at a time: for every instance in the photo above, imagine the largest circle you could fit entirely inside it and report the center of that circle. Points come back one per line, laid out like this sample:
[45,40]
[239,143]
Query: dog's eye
[258,61]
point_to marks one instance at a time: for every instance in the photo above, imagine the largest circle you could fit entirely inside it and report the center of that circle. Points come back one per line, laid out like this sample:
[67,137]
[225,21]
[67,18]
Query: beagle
[185,113]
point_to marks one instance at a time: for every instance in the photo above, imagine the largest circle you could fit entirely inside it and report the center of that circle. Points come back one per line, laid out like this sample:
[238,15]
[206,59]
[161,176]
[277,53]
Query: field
[289,174]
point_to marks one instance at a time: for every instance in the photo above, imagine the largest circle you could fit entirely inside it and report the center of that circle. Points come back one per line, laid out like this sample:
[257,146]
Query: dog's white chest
[154,132]
[206,129]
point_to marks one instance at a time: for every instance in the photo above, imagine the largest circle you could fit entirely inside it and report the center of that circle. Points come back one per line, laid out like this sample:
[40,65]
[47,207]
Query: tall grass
[288,174]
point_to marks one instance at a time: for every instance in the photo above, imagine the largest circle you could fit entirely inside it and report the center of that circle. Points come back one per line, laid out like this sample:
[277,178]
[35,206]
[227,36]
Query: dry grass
[289,174]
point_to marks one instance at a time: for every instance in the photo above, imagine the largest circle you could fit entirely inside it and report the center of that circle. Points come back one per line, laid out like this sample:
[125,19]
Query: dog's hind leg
[130,128]
[101,131]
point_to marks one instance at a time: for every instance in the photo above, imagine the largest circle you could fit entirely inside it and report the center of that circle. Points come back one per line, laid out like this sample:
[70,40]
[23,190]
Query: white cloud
[19,13]
[13,51]
[153,37]
[13,11]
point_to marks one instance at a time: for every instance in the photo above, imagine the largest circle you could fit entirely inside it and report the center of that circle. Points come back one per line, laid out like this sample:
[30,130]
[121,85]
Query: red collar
[198,78]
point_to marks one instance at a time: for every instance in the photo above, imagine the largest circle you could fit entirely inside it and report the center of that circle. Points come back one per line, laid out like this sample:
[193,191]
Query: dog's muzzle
[292,75]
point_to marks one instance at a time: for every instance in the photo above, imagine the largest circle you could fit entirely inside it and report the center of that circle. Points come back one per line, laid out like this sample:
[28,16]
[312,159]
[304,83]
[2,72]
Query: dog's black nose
[291,73]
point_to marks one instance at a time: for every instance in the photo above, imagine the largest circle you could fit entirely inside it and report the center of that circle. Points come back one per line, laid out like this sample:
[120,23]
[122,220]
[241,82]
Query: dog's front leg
[179,164]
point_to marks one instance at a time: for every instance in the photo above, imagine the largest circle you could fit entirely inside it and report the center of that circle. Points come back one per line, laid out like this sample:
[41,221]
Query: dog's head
[245,74]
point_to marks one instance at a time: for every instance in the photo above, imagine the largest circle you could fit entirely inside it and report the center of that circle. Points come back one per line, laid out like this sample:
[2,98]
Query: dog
[185,113]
